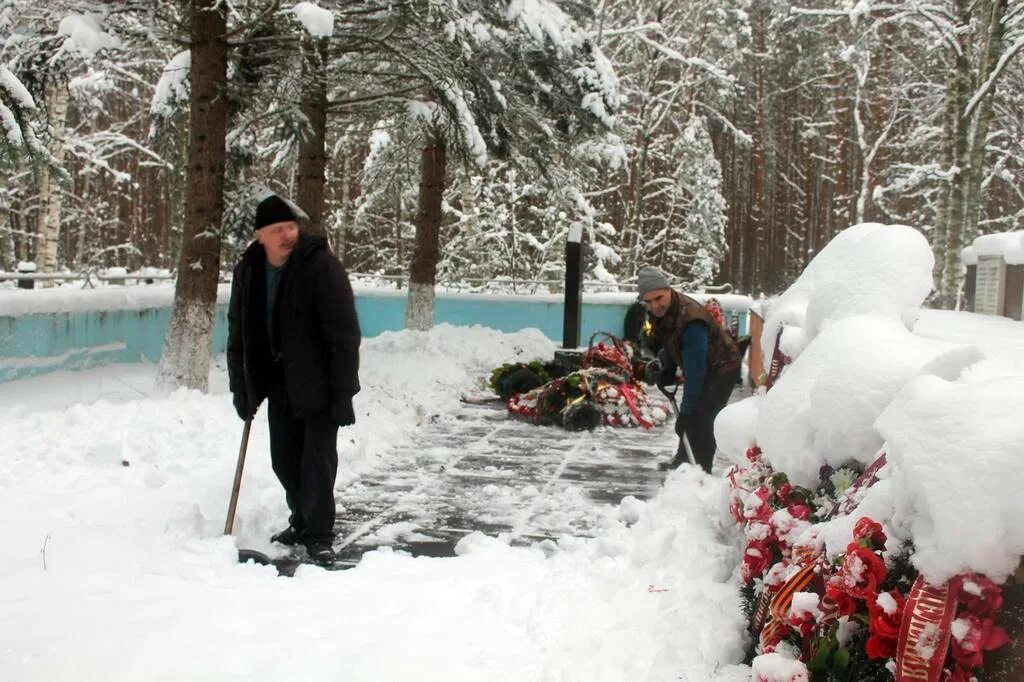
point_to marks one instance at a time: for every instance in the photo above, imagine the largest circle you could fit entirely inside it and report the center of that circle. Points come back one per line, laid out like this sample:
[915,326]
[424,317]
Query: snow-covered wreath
[864,614]
[605,390]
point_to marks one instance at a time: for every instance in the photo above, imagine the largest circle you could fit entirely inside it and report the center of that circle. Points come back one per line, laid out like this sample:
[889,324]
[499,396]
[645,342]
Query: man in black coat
[293,338]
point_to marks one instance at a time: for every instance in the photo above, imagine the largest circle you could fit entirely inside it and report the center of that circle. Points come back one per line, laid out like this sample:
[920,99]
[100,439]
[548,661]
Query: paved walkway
[481,469]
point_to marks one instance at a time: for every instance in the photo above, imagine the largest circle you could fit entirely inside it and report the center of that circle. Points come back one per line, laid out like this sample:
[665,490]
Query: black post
[572,317]
[26,268]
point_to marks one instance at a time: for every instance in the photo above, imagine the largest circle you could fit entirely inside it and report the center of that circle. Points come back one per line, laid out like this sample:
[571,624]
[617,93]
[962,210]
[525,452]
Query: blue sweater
[694,350]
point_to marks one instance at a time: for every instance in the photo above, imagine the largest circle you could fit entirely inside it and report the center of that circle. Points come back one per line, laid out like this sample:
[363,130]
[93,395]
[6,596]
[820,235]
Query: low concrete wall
[65,329]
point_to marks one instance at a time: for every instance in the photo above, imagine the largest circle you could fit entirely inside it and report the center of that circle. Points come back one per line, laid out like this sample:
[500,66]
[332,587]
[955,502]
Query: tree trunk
[419,311]
[189,341]
[50,197]
[756,241]
[970,133]
[343,201]
[312,149]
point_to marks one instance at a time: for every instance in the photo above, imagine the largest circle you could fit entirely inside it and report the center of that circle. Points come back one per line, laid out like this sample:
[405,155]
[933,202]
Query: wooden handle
[230,523]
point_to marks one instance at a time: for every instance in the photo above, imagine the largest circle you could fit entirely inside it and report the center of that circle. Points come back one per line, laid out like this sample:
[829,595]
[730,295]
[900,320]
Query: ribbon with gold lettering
[779,360]
[924,632]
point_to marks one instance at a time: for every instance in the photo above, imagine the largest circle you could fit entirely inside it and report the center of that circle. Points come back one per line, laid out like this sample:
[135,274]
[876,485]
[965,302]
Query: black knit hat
[272,210]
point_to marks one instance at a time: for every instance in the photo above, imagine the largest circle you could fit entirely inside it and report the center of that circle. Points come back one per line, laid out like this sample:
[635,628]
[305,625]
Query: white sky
[140,584]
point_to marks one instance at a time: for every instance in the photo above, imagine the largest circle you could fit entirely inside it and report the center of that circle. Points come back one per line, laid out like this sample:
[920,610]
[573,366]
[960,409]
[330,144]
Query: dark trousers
[700,427]
[304,455]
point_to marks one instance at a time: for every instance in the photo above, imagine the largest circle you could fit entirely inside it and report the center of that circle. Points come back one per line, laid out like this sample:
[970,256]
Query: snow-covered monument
[994,284]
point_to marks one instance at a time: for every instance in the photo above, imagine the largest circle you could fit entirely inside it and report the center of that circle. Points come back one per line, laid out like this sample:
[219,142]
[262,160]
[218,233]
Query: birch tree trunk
[188,345]
[50,197]
[419,310]
[969,114]
[312,150]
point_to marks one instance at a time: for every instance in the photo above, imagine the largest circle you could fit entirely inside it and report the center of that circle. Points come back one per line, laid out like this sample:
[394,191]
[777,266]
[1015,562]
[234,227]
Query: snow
[1007,245]
[75,298]
[112,501]
[869,267]
[473,139]
[172,88]
[15,89]
[778,668]
[937,431]
[85,34]
[317,21]
[115,566]
[872,372]
[545,22]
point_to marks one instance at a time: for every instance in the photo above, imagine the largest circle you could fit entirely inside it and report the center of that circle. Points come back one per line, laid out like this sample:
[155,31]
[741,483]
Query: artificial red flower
[757,507]
[803,622]
[845,604]
[868,533]
[799,511]
[862,572]
[753,453]
[756,558]
[981,635]
[736,508]
[882,622]
[880,647]
[783,493]
[978,594]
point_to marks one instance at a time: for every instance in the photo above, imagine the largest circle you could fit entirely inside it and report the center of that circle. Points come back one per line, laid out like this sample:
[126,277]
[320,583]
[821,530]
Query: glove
[342,413]
[242,405]
[667,377]
[652,371]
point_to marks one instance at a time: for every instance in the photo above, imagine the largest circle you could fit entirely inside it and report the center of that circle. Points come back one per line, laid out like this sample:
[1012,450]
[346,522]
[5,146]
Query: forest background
[465,141]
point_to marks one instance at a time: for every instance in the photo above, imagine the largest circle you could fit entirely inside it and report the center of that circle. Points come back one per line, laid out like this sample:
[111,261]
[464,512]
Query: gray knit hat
[650,278]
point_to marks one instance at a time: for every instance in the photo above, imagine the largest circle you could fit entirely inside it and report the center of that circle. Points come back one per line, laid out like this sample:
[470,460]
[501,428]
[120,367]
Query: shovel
[285,566]
[244,555]
[671,395]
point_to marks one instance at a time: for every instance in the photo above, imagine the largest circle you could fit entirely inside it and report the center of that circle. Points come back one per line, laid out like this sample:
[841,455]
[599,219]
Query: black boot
[321,553]
[289,536]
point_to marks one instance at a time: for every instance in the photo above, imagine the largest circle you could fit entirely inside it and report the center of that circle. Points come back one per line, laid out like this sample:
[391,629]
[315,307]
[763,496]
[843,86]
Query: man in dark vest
[293,338]
[709,357]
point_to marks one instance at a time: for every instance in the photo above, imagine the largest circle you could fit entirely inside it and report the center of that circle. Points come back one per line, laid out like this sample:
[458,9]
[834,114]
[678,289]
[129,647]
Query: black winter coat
[315,322]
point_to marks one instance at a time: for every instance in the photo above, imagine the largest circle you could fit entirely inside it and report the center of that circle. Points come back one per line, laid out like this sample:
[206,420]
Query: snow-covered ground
[112,505]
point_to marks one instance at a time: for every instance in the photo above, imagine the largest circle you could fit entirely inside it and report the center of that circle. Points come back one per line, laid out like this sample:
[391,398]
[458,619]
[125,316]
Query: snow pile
[823,409]
[954,449]
[885,270]
[938,400]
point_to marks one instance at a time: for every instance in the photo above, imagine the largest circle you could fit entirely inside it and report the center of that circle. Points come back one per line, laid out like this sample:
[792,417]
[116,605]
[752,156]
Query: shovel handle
[230,522]
[671,395]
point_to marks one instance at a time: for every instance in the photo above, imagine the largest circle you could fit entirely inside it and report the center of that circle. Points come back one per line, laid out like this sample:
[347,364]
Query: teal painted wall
[34,344]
